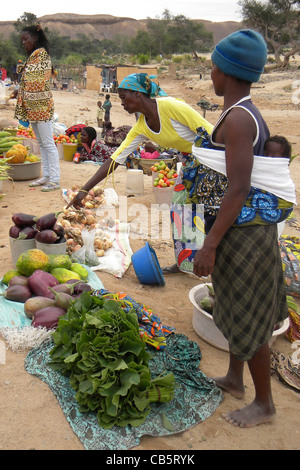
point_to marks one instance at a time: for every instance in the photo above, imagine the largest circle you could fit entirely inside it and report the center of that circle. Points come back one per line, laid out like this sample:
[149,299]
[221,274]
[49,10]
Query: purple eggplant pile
[44,298]
[44,229]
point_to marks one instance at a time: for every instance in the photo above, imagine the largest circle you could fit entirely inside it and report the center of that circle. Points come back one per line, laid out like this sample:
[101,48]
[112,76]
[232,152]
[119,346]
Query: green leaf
[71,358]
[128,378]
[166,422]
[86,387]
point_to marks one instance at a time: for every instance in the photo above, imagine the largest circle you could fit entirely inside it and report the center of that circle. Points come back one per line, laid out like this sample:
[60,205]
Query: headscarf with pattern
[142,82]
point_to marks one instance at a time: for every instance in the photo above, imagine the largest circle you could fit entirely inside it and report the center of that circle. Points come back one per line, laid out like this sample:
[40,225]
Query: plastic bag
[58,128]
[86,254]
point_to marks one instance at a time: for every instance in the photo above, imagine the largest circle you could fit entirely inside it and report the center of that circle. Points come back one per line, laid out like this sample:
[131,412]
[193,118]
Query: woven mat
[196,397]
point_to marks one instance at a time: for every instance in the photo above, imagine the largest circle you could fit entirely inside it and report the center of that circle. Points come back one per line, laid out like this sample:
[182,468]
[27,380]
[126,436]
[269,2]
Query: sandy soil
[30,416]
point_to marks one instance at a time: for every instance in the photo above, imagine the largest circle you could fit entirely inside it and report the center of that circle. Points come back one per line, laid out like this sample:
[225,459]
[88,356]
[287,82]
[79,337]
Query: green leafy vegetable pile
[98,345]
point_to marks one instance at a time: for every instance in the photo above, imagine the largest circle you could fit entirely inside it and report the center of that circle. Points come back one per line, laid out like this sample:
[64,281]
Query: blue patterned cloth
[142,82]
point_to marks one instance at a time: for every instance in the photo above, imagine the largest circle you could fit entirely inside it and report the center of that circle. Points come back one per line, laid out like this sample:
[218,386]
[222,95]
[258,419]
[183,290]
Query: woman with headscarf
[167,121]
[35,103]
[93,150]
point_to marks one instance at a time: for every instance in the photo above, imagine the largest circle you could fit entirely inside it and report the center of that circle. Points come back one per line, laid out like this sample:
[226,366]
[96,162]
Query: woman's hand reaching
[76,201]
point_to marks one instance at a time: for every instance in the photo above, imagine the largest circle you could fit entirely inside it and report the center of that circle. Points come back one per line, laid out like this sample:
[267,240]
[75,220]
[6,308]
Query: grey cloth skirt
[249,286]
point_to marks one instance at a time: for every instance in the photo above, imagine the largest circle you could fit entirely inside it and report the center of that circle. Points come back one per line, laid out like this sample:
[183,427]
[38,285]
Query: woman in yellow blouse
[35,103]
[167,121]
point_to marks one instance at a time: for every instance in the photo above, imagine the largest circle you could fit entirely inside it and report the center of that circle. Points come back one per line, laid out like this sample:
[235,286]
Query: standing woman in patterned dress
[35,103]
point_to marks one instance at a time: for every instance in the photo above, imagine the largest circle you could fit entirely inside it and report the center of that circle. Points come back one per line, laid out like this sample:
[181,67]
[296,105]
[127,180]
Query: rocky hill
[107,26]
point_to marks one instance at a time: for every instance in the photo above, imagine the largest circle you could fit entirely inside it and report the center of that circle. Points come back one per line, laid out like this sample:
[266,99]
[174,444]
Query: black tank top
[262,134]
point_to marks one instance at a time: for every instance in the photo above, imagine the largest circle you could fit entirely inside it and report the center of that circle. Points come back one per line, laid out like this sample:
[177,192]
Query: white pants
[49,153]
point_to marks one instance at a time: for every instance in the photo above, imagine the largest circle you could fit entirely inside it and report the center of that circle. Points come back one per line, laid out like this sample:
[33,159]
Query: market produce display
[46,284]
[97,344]
[26,132]
[44,229]
[165,176]
[74,222]
[65,139]
[7,141]
[14,149]
[92,200]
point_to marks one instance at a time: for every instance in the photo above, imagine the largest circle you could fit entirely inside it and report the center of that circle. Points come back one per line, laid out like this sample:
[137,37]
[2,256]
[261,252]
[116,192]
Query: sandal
[50,187]
[39,182]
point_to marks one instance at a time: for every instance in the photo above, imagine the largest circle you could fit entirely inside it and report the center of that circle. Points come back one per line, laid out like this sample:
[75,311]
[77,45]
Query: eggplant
[24,220]
[17,293]
[46,236]
[82,287]
[62,299]
[61,240]
[58,229]
[18,281]
[60,289]
[47,317]
[34,304]
[27,233]
[39,281]
[47,221]
[79,286]
[14,231]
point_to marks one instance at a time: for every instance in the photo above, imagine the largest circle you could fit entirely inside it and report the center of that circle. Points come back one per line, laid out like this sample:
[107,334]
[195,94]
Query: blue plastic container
[146,266]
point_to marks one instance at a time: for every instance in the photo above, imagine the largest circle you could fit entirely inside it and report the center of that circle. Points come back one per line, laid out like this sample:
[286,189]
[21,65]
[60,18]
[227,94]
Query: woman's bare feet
[251,415]
[230,386]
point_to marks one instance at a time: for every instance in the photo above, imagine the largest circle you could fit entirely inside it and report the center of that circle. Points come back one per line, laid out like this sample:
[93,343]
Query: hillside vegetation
[107,26]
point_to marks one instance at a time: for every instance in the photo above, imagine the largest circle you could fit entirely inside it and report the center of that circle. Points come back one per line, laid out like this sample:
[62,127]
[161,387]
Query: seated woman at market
[94,150]
[167,121]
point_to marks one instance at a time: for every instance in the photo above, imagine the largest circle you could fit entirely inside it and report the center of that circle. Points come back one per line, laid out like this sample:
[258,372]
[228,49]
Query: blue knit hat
[242,55]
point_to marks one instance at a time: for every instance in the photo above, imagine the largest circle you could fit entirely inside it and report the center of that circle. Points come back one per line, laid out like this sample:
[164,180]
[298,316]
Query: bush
[143,59]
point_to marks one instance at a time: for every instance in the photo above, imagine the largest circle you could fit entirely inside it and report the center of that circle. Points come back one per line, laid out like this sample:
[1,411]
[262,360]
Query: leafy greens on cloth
[99,347]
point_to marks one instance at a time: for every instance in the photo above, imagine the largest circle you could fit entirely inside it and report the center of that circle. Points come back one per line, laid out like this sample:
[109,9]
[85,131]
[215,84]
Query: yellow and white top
[178,129]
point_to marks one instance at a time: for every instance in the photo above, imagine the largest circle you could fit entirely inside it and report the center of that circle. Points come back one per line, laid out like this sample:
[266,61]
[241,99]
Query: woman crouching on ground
[93,150]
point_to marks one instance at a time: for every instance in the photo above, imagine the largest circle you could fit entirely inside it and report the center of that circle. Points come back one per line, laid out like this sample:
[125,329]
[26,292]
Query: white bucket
[134,183]
[17,247]
[205,326]
[60,149]
[163,195]
[52,248]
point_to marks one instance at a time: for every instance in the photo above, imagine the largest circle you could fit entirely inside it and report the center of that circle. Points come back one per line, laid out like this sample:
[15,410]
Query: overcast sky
[226,10]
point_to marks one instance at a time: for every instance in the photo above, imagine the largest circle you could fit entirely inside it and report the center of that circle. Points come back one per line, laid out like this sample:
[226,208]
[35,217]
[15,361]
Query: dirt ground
[30,416]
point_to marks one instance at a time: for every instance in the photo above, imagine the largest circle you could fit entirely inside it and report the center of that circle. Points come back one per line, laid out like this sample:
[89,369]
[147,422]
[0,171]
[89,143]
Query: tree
[177,34]
[9,54]
[27,19]
[279,23]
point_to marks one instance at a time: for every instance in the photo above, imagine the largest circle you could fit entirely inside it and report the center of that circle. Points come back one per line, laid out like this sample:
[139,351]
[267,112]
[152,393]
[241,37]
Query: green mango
[9,275]
[79,269]
[60,261]
[63,275]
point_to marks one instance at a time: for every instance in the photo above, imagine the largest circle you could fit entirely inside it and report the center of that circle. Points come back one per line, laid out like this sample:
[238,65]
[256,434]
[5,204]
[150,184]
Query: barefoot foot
[237,390]
[250,416]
